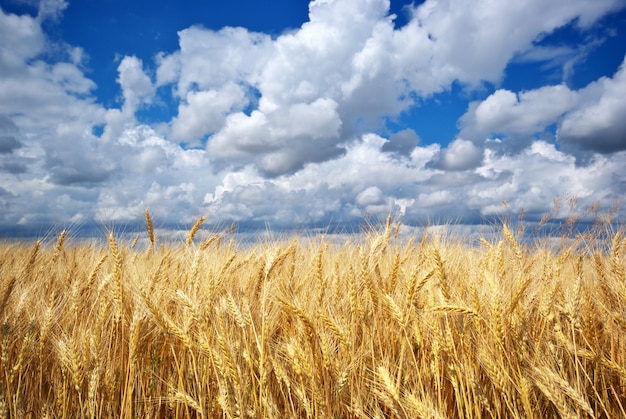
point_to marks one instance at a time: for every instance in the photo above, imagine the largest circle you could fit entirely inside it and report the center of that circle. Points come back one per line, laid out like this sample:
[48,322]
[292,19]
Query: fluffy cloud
[208,59]
[349,55]
[367,180]
[473,41]
[136,85]
[205,111]
[598,123]
[22,39]
[513,114]
[590,120]
[280,142]
[522,180]
[459,155]
[290,122]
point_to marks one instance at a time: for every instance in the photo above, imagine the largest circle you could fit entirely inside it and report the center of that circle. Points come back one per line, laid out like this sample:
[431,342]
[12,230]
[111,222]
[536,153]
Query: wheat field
[373,327]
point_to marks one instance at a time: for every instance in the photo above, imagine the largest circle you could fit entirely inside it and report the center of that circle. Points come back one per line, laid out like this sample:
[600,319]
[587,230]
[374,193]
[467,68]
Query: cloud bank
[290,130]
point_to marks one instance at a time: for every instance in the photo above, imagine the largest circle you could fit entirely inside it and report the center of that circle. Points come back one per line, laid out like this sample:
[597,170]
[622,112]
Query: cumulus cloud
[350,55]
[280,142]
[22,39]
[76,160]
[205,111]
[288,122]
[459,155]
[402,142]
[367,180]
[590,120]
[370,196]
[598,123]
[527,188]
[71,79]
[209,59]
[473,41]
[137,88]
[526,113]
[39,94]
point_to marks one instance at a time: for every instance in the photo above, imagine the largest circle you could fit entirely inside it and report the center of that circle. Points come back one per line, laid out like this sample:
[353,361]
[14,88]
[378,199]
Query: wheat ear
[150,227]
[511,239]
[194,230]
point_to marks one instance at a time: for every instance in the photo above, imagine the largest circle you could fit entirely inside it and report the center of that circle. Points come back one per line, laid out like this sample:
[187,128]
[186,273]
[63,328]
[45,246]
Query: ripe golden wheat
[376,327]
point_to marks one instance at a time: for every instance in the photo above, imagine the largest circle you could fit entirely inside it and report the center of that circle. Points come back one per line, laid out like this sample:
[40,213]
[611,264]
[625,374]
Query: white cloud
[289,120]
[472,41]
[367,180]
[136,85]
[525,113]
[370,196]
[349,54]
[22,39]
[205,111]
[304,111]
[598,123]
[589,120]
[71,79]
[280,142]
[435,199]
[51,9]
[460,155]
[518,117]
[521,180]
[209,59]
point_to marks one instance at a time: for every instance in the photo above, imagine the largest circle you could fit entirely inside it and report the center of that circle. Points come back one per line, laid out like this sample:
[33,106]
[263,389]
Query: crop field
[376,326]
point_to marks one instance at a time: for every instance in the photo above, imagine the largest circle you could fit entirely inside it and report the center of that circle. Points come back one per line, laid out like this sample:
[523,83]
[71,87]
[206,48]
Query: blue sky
[299,114]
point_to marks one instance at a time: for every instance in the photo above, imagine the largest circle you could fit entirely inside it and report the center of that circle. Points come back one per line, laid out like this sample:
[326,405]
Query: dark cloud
[71,176]
[7,126]
[76,168]
[598,124]
[402,142]
[8,144]
[8,133]
[13,167]
[605,140]
[87,173]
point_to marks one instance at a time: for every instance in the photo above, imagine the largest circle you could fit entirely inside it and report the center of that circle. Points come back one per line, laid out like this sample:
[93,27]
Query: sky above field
[292,114]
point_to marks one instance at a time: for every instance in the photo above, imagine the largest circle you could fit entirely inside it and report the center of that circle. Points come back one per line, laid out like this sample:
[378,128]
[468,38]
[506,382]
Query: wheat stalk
[6,293]
[441,275]
[334,328]
[389,387]
[58,248]
[94,272]
[455,310]
[180,396]
[165,322]
[117,277]
[150,228]
[194,230]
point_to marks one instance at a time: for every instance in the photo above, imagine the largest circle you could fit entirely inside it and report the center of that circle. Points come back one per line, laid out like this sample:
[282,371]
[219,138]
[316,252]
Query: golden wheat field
[374,327]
